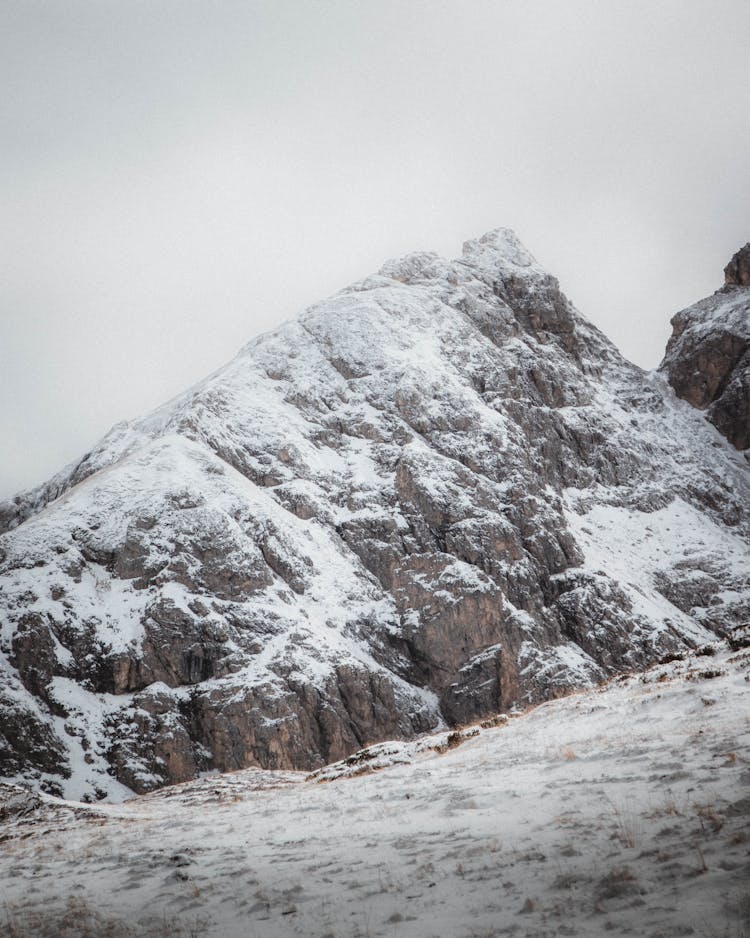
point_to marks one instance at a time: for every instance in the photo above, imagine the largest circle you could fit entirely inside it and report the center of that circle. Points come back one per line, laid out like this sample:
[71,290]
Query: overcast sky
[178,177]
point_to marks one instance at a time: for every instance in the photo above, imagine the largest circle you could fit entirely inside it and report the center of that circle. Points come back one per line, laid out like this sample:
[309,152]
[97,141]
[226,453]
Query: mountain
[439,494]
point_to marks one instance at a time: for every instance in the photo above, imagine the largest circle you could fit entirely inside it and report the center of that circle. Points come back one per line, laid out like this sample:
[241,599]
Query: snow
[623,810]
[501,251]
[727,311]
[310,428]
[633,547]
[556,665]
[84,735]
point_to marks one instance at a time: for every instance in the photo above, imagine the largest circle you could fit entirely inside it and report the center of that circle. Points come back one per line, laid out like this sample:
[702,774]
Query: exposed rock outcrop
[737,271]
[438,494]
[707,360]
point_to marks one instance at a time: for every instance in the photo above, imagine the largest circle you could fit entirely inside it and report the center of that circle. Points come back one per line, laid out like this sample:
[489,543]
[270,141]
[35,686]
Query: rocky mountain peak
[437,494]
[497,250]
[737,271]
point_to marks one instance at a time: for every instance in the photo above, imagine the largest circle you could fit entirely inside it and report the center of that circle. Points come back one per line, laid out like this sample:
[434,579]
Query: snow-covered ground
[620,810]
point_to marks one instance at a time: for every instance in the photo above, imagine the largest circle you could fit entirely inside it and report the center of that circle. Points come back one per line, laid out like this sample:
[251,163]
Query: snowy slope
[437,494]
[622,810]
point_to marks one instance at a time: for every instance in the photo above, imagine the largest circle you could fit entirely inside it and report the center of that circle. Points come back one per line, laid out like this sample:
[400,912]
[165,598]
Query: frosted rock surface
[437,494]
[708,355]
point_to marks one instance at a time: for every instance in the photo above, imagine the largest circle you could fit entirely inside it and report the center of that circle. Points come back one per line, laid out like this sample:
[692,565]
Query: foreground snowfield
[621,810]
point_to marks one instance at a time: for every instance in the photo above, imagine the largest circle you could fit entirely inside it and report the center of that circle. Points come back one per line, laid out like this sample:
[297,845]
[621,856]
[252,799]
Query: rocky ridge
[437,494]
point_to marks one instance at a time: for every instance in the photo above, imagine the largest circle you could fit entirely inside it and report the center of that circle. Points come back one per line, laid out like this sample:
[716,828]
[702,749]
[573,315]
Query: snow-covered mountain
[438,494]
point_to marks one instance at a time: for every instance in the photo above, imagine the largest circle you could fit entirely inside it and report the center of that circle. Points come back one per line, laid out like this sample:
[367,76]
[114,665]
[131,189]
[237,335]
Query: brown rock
[737,271]
[364,525]
[707,359]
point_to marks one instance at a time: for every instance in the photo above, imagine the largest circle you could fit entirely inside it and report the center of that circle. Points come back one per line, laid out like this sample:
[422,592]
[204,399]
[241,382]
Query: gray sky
[177,177]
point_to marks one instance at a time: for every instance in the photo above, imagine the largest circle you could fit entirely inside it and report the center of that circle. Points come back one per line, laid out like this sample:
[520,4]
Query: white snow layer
[623,810]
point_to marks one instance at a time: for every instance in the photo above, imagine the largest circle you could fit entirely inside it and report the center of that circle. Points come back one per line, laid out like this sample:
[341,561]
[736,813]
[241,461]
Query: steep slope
[708,356]
[437,494]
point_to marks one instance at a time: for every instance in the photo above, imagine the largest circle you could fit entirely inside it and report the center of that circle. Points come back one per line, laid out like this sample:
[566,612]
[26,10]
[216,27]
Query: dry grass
[77,919]
[627,823]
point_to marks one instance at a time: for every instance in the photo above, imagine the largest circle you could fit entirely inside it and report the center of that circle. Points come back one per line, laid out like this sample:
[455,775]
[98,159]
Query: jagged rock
[438,494]
[737,271]
[707,360]
[17,802]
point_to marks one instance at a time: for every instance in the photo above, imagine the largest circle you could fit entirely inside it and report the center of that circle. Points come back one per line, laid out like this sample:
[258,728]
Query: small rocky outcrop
[439,494]
[707,360]
[737,271]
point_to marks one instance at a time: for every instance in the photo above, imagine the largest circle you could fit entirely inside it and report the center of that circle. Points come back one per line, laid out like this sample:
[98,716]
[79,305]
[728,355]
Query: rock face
[737,271]
[438,494]
[707,361]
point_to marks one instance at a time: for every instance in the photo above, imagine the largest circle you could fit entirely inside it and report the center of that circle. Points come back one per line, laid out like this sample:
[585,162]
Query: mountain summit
[438,494]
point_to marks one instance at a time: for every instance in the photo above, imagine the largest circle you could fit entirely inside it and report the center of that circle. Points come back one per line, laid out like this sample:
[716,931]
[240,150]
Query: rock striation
[438,494]
[707,360]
